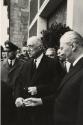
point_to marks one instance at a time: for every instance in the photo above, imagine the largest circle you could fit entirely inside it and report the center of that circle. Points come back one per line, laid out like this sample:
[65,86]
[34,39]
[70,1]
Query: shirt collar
[75,62]
[13,61]
[38,60]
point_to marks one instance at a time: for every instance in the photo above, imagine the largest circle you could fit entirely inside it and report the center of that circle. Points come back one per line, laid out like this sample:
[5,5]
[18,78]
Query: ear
[74,47]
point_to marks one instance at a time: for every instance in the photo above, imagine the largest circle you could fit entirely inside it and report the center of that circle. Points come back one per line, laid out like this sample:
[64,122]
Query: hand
[32,102]
[19,102]
[32,90]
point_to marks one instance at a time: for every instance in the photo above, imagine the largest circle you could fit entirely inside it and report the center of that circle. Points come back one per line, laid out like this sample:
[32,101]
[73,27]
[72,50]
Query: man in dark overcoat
[69,103]
[10,69]
[37,82]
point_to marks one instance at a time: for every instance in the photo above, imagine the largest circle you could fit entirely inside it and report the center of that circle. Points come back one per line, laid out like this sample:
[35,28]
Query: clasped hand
[28,102]
[32,102]
[32,90]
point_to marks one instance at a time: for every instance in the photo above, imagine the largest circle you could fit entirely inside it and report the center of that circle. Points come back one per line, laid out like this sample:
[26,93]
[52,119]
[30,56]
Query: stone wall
[19,16]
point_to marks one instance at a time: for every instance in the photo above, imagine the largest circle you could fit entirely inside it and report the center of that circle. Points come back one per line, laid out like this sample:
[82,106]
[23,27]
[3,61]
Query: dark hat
[10,46]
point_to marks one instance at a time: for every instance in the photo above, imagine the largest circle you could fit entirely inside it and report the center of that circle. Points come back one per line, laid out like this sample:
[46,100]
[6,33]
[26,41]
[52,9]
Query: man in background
[51,52]
[10,69]
[24,54]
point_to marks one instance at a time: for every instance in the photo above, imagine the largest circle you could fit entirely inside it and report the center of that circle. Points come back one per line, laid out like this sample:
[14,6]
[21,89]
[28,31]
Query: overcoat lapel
[14,66]
[73,72]
[4,71]
[29,73]
[40,69]
[6,65]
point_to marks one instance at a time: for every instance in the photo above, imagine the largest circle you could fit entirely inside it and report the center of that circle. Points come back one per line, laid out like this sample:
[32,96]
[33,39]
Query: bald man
[34,86]
[69,103]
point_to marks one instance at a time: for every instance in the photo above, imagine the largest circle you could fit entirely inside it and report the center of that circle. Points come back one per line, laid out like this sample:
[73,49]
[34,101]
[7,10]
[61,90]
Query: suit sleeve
[80,115]
[18,87]
[49,99]
[19,83]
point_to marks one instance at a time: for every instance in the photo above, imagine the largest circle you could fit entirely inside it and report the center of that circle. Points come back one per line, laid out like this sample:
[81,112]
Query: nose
[59,52]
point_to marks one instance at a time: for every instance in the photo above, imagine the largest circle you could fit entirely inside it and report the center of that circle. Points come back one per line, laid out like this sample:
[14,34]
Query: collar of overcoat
[6,65]
[40,68]
[72,72]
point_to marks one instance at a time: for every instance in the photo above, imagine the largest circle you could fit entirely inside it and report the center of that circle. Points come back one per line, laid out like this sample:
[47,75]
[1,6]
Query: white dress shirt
[9,61]
[67,66]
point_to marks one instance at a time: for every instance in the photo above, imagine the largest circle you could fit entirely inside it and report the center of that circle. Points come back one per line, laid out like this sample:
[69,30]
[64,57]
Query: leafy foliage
[51,36]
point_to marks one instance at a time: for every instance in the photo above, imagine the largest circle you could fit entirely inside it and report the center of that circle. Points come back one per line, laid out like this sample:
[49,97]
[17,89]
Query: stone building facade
[18,14]
[30,17]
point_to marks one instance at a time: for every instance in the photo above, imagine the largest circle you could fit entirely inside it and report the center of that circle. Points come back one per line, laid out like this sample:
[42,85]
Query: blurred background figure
[24,53]
[4,54]
[18,53]
[51,52]
[10,68]
[1,51]
[24,50]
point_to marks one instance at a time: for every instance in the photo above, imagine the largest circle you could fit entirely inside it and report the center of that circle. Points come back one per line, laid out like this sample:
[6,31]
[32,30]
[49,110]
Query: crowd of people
[21,53]
[37,88]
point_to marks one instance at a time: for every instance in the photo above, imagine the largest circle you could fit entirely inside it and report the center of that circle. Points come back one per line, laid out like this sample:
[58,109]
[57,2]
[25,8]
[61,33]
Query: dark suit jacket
[8,78]
[46,78]
[69,103]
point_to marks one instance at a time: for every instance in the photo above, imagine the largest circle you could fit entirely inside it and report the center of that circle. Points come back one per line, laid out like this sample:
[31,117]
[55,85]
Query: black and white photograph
[41,62]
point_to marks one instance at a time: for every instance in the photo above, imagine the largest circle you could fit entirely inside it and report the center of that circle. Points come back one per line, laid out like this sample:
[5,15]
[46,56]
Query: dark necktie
[64,63]
[10,63]
[71,66]
[34,67]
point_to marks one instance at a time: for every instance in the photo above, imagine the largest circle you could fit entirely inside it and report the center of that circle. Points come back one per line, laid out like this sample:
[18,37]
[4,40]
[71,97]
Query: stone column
[19,16]
[75,15]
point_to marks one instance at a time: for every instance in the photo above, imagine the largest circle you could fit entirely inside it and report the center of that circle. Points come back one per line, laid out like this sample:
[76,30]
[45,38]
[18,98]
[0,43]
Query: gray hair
[73,37]
[35,38]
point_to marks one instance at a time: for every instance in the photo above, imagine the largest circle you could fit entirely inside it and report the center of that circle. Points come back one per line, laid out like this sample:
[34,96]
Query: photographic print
[41,62]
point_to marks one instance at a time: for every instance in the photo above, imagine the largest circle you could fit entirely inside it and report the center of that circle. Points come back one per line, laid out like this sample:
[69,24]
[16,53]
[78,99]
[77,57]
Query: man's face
[65,51]
[51,53]
[24,51]
[11,54]
[61,55]
[34,48]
